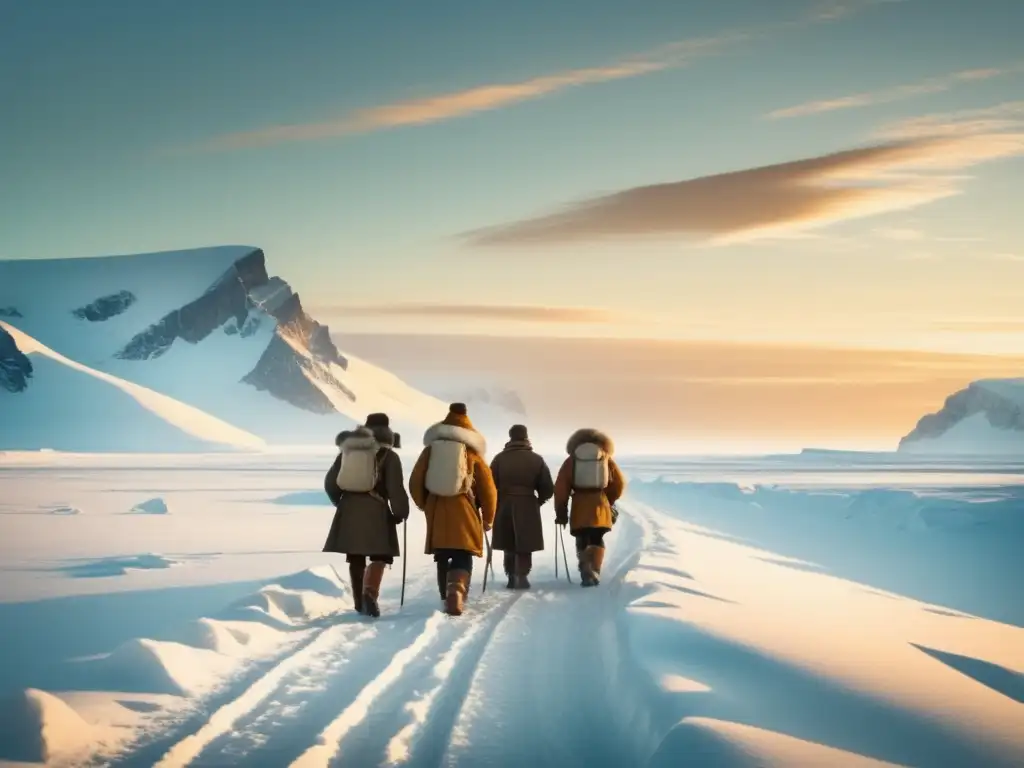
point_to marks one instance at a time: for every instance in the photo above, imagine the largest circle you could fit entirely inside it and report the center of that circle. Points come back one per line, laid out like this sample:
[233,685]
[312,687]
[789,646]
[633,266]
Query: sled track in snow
[418,688]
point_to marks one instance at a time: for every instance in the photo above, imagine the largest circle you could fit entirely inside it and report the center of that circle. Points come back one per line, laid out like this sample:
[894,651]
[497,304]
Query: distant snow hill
[177,351]
[987,417]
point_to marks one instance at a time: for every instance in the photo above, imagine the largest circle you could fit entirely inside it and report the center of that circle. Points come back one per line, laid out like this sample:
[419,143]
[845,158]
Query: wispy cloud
[910,165]
[985,325]
[448,106]
[509,312]
[897,93]
[481,98]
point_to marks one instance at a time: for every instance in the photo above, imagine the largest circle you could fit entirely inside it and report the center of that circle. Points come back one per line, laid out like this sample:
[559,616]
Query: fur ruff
[590,435]
[360,439]
[468,437]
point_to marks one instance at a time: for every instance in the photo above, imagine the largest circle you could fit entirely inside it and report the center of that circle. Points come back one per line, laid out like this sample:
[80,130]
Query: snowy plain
[809,610]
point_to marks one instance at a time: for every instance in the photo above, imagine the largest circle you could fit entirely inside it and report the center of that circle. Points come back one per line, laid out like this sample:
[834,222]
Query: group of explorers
[463,498]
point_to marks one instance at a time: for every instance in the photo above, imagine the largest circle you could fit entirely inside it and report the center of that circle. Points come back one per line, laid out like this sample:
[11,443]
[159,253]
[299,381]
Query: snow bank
[729,657]
[204,656]
[952,546]
[38,727]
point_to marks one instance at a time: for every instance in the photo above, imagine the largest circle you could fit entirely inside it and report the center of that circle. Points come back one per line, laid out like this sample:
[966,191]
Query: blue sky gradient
[111,108]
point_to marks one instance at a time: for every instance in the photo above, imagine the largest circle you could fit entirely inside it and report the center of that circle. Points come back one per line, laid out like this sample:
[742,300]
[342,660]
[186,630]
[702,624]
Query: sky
[839,173]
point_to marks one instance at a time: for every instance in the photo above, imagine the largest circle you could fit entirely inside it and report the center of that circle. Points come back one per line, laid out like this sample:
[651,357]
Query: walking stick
[487,565]
[556,550]
[405,558]
[565,557]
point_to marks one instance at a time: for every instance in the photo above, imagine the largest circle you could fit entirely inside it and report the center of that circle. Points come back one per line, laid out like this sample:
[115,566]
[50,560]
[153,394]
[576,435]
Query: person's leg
[459,576]
[523,564]
[510,568]
[580,537]
[597,554]
[356,570]
[371,583]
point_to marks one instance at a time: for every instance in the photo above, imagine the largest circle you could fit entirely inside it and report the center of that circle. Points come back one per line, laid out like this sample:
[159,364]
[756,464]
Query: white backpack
[448,472]
[359,470]
[589,468]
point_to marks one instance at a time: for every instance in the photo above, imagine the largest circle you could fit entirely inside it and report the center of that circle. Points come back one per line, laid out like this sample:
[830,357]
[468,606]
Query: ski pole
[556,550]
[565,557]
[405,558]
[487,565]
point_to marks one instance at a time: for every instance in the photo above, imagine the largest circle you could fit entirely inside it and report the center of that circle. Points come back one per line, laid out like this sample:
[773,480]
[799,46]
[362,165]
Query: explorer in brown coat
[365,522]
[524,485]
[593,482]
[452,484]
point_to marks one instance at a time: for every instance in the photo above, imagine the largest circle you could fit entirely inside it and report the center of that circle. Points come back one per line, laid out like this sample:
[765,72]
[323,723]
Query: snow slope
[704,645]
[209,328]
[89,407]
[986,418]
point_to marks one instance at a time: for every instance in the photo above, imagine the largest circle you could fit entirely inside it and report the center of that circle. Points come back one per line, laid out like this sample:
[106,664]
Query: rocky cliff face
[105,307]
[239,303]
[15,367]
[1001,411]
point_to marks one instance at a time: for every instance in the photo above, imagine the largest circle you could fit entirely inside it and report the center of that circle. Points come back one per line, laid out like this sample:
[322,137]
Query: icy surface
[816,610]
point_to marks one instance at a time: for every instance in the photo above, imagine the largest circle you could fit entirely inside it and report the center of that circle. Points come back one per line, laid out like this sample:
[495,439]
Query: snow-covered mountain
[178,350]
[987,417]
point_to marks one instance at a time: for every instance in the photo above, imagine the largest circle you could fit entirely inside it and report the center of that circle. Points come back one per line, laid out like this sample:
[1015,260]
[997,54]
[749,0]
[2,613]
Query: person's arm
[616,483]
[394,483]
[331,482]
[485,492]
[544,486]
[563,490]
[418,480]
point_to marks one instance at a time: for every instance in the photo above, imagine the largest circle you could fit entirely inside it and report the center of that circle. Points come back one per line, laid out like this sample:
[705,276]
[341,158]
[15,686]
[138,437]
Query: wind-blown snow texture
[985,418]
[177,351]
[799,611]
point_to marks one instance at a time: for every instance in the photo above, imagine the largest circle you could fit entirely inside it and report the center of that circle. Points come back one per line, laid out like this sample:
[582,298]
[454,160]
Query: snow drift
[985,418]
[57,728]
[177,351]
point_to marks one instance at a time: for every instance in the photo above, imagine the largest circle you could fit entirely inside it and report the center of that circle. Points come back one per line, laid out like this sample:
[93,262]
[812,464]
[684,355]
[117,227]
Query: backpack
[360,470]
[448,469]
[589,468]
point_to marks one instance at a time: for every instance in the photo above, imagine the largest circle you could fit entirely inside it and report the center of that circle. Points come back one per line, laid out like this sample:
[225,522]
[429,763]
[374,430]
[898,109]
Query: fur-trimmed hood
[358,439]
[468,437]
[590,435]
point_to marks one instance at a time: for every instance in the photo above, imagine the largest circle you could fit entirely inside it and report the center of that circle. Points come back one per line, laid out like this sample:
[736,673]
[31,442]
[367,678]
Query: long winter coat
[453,522]
[366,524]
[524,485]
[590,509]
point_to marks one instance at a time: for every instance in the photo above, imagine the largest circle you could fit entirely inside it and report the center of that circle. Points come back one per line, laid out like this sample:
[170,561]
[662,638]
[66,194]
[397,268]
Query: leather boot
[587,578]
[371,588]
[596,561]
[458,588]
[510,569]
[524,564]
[442,579]
[355,575]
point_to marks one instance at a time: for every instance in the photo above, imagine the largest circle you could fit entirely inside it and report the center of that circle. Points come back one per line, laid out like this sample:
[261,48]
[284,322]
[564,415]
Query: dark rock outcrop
[10,312]
[105,307]
[285,375]
[1001,412]
[226,299]
[239,302]
[15,366]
